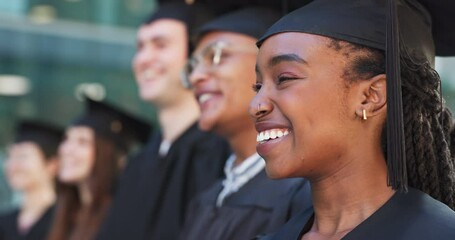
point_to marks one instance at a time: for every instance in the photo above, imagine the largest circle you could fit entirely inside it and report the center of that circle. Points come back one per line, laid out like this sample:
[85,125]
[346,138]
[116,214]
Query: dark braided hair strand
[428,124]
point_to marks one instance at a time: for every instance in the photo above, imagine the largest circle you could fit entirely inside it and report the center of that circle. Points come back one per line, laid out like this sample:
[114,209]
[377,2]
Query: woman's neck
[85,194]
[349,196]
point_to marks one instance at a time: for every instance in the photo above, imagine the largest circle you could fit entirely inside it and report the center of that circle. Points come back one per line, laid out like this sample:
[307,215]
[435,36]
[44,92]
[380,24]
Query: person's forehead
[166,28]
[23,146]
[226,37]
[292,43]
[79,130]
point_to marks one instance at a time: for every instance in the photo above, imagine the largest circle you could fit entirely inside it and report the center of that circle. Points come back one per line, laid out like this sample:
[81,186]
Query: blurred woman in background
[94,146]
[31,168]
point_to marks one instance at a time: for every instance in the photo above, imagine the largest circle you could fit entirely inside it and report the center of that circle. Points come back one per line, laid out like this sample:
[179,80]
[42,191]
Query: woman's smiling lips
[269,134]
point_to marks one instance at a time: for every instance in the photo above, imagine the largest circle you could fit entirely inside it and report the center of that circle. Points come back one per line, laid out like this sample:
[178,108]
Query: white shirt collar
[237,176]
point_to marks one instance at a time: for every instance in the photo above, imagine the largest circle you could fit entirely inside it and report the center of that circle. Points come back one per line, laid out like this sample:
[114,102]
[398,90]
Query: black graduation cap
[419,25]
[221,7]
[45,135]
[252,21]
[113,123]
[192,15]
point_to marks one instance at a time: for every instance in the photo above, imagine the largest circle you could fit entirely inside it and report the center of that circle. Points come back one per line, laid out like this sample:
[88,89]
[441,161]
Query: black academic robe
[153,194]
[9,230]
[260,206]
[406,216]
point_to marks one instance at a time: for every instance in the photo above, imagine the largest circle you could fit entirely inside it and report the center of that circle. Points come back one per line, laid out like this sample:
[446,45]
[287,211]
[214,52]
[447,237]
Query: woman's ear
[374,97]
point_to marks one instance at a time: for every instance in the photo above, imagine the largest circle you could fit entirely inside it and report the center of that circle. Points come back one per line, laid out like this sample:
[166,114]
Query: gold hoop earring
[364,114]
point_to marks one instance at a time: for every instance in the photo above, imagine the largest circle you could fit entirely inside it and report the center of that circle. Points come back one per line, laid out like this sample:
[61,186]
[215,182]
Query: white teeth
[279,134]
[204,97]
[271,134]
[149,73]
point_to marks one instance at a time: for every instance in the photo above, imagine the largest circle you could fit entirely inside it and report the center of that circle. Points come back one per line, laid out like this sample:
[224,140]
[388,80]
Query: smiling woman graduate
[366,121]
[89,162]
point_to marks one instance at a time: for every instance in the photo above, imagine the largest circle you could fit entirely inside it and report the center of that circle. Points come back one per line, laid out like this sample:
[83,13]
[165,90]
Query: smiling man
[180,160]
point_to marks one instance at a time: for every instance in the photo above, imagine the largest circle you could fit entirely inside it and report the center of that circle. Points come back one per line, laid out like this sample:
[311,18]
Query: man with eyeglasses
[221,73]
[180,160]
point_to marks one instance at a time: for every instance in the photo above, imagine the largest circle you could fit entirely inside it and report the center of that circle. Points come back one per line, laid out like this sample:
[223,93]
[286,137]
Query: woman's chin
[274,172]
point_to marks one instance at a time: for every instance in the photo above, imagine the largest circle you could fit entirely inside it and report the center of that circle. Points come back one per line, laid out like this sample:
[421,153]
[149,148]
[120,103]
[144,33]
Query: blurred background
[54,51]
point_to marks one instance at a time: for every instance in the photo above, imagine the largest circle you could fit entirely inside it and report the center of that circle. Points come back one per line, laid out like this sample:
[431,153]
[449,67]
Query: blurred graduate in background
[31,169]
[89,164]
[180,160]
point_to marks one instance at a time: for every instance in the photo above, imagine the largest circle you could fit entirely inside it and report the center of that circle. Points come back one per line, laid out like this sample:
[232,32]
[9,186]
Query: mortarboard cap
[46,136]
[221,7]
[250,21]
[111,122]
[381,24]
[193,15]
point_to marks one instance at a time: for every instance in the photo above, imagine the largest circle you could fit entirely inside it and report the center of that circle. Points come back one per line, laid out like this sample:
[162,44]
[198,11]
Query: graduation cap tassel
[396,156]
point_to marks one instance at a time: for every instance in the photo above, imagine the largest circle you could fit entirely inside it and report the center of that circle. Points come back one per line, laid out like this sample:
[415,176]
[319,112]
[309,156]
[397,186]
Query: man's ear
[374,97]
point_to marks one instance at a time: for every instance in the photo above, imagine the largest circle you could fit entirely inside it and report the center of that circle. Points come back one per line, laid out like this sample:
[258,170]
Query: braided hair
[428,125]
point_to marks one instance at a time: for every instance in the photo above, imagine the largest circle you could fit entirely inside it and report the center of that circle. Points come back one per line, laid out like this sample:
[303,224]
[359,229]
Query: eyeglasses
[210,57]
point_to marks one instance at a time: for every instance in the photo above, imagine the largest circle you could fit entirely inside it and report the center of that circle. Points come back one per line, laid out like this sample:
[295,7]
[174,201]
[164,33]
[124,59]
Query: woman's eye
[285,78]
[256,87]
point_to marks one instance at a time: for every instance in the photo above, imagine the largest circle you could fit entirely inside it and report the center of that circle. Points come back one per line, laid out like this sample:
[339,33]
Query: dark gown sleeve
[406,216]
[42,226]
[261,205]
[292,230]
[126,216]
[9,228]
[410,216]
[194,168]
[154,192]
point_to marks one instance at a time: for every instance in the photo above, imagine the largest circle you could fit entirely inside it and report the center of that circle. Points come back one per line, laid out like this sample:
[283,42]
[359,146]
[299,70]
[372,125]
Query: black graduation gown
[260,206]
[411,216]
[153,193]
[9,229]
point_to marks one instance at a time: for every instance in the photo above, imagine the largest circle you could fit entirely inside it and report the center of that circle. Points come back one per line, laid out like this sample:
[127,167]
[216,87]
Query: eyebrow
[158,38]
[291,57]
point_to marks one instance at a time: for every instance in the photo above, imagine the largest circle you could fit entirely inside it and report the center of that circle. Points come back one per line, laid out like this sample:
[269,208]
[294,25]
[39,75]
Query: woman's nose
[259,106]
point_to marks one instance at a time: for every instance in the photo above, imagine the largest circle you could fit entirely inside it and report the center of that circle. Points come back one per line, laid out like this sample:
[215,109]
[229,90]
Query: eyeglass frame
[217,48]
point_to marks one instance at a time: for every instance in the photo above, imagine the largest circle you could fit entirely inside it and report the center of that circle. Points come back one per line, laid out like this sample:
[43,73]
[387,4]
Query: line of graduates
[67,178]
[333,129]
